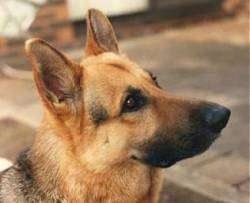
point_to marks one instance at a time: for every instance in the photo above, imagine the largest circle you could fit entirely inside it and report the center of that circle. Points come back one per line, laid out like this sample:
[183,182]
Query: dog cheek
[146,127]
[107,149]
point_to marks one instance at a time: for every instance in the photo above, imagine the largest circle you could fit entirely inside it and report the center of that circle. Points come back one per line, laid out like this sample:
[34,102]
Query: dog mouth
[165,153]
[163,163]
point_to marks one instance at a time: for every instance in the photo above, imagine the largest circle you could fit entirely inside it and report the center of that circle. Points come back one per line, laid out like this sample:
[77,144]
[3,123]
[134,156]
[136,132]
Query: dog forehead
[107,57]
[106,79]
[112,67]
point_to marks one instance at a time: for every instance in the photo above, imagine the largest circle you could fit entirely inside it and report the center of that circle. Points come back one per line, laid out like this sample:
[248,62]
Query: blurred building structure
[62,21]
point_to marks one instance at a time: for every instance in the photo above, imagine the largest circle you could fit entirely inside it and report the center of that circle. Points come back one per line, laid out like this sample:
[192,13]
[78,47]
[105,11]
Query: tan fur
[87,150]
[66,152]
[82,173]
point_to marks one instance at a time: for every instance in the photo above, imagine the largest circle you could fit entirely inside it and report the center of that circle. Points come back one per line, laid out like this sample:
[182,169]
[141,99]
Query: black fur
[17,182]
[98,113]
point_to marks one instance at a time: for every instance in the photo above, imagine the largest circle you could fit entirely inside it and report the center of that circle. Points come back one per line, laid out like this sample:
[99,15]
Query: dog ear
[56,77]
[100,34]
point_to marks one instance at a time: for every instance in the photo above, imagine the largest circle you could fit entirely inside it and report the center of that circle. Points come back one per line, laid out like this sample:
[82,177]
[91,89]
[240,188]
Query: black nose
[215,116]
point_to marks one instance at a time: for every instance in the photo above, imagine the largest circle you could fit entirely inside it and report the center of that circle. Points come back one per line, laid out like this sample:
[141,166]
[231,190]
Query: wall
[52,24]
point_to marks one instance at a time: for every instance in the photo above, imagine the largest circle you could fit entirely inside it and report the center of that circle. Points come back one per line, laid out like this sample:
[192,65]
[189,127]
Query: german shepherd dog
[108,128]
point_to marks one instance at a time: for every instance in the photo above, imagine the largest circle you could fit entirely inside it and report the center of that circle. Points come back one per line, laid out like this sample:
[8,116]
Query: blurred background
[197,48]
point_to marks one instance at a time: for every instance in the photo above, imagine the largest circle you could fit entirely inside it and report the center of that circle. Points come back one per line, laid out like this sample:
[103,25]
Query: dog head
[109,111]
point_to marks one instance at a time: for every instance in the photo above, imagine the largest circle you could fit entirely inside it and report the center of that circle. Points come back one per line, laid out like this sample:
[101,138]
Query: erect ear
[56,77]
[100,34]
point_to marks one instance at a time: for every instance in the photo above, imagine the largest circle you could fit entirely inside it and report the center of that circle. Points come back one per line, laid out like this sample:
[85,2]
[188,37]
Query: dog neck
[60,175]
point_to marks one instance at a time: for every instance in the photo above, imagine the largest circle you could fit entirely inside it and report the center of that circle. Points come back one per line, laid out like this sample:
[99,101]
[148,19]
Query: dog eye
[133,102]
